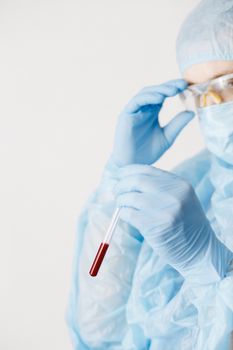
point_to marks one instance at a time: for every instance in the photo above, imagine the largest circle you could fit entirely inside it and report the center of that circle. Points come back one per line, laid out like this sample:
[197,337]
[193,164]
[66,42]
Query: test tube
[104,244]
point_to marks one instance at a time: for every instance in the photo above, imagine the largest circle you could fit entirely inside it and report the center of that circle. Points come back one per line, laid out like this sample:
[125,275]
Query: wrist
[212,265]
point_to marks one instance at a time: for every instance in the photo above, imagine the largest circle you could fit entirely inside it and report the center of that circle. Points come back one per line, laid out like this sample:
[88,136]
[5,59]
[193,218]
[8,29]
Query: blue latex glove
[166,211]
[139,138]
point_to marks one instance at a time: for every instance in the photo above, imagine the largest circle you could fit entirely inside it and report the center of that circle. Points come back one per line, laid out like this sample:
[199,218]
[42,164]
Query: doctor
[167,282]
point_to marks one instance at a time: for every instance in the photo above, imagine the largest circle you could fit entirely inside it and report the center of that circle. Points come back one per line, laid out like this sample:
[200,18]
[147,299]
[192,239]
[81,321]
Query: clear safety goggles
[216,91]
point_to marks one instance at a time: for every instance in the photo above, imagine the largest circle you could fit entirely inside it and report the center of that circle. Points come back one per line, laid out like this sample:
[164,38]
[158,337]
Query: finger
[132,217]
[142,100]
[148,202]
[136,183]
[137,169]
[164,90]
[174,127]
[155,95]
[131,200]
[178,84]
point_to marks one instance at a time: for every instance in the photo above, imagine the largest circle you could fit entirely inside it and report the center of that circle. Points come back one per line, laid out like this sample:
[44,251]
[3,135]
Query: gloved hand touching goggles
[216,91]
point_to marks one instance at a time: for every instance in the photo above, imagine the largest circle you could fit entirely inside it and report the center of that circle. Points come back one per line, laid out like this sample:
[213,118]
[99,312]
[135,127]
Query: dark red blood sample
[98,259]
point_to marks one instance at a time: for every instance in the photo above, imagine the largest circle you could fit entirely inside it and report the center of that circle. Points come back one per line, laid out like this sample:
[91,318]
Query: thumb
[174,127]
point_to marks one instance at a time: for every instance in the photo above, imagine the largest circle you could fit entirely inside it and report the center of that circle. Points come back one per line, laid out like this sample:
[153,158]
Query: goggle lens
[216,91]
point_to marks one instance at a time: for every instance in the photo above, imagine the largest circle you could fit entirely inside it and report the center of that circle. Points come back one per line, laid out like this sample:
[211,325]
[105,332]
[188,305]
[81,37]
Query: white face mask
[216,123]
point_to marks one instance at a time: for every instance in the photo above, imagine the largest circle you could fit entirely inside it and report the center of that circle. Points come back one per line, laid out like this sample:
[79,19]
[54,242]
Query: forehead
[202,72]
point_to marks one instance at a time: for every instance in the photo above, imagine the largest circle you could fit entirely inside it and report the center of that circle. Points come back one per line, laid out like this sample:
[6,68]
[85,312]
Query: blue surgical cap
[206,34]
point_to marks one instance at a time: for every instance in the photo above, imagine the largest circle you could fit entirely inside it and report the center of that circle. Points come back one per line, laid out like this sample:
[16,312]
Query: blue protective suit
[139,302]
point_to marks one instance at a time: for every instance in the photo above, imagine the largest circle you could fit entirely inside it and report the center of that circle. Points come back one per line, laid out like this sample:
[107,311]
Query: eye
[230,83]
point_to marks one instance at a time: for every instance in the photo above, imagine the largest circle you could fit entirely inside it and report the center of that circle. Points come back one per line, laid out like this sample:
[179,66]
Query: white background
[67,68]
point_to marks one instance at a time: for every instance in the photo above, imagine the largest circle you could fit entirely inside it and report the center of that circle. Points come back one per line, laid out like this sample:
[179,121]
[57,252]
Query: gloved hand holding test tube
[104,244]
